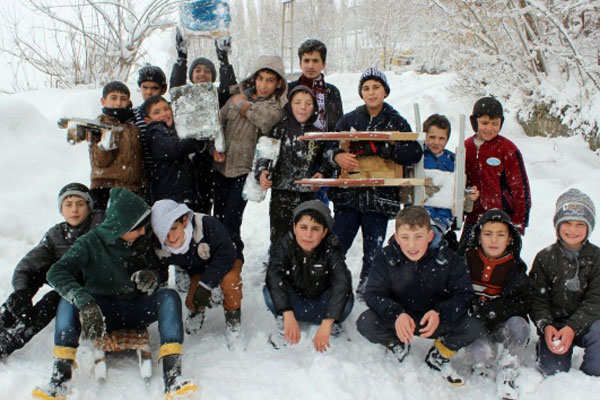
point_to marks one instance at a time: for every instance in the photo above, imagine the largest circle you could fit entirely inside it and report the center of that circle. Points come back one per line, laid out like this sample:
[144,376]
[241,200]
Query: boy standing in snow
[199,245]
[566,280]
[307,279]
[119,290]
[20,320]
[417,288]
[495,166]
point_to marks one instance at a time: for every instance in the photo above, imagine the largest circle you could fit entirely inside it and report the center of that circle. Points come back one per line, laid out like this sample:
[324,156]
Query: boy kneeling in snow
[307,279]
[117,291]
[414,281]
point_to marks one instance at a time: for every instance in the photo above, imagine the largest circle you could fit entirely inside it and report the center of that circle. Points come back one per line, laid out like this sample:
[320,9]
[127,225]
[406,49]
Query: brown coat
[121,167]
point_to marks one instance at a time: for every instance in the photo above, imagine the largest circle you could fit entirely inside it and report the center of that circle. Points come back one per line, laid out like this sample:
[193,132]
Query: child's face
[373,93]
[176,235]
[150,89]
[309,233]
[115,100]
[488,128]
[413,241]
[160,111]
[302,106]
[312,64]
[266,83]
[201,74]
[494,239]
[573,233]
[436,139]
[132,236]
[74,210]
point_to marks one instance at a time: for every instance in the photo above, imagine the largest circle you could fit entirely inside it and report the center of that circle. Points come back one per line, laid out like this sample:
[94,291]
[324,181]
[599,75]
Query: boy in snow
[566,281]
[369,208]
[298,159]
[120,166]
[172,170]
[417,288]
[307,279]
[495,166]
[255,108]
[502,290]
[20,320]
[199,245]
[109,280]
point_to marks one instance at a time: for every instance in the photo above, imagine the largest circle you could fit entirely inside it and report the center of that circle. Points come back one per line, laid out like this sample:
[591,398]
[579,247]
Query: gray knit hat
[206,62]
[318,206]
[75,189]
[164,214]
[376,74]
[574,205]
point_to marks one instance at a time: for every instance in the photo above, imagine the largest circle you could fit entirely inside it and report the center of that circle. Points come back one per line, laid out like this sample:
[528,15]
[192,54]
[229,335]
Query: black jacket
[310,275]
[333,103]
[439,281]
[384,200]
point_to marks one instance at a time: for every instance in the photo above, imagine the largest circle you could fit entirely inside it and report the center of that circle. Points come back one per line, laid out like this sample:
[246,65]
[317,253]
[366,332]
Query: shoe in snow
[181,390]
[62,371]
[194,322]
[50,392]
[399,350]
[233,330]
[436,361]
[480,369]
[508,373]
[175,386]
[276,338]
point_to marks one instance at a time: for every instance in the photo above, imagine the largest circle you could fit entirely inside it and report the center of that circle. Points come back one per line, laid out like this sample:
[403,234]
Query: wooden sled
[81,129]
[124,340]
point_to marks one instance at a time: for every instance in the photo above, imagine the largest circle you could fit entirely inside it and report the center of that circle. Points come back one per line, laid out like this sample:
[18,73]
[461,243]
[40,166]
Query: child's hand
[321,339]
[559,342]
[318,175]
[265,183]
[431,320]
[346,160]
[474,193]
[218,157]
[291,328]
[405,328]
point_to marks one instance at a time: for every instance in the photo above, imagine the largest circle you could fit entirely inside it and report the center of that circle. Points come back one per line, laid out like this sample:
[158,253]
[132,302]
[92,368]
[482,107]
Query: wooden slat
[362,135]
[362,182]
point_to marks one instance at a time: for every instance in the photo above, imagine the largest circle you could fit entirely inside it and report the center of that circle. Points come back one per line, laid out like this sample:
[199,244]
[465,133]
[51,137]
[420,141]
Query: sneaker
[50,392]
[276,338]
[181,389]
[508,373]
[437,362]
[194,322]
[399,350]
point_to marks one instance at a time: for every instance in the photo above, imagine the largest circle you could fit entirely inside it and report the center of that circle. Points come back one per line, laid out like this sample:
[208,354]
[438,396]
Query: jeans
[513,334]
[229,207]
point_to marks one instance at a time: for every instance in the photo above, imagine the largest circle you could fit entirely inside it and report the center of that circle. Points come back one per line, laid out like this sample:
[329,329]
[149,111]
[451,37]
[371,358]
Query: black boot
[11,339]
[62,371]
[233,332]
[175,385]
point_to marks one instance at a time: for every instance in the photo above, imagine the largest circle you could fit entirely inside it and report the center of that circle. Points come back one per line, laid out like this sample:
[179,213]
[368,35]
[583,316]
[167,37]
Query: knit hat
[376,74]
[164,214]
[152,73]
[203,61]
[75,189]
[486,106]
[574,205]
[318,206]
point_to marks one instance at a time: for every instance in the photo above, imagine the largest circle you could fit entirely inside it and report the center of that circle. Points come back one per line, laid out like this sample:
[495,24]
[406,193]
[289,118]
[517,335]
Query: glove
[92,322]
[19,305]
[145,280]
[202,297]
[223,47]
[181,44]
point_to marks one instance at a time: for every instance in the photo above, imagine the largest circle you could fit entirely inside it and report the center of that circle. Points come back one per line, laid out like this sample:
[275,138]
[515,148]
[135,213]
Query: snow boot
[233,329]
[11,339]
[399,350]
[62,370]
[194,322]
[176,387]
[276,338]
[508,372]
[438,359]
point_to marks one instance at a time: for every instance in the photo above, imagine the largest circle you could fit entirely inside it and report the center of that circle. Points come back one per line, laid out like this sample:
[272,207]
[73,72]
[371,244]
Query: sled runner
[208,18]
[267,149]
[124,340]
[80,129]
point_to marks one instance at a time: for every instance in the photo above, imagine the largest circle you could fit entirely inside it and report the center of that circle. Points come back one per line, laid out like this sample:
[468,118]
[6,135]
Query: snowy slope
[36,161]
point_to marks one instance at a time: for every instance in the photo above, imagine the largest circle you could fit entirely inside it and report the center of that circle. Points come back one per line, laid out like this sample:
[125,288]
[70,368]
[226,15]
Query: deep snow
[36,161]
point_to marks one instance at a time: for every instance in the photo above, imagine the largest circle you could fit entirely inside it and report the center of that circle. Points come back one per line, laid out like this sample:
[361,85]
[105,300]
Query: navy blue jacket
[384,200]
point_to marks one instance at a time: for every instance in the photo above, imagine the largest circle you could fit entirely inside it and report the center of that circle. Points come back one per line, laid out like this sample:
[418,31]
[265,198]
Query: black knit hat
[152,73]
[489,106]
[376,74]
[75,189]
[203,61]
[318,206]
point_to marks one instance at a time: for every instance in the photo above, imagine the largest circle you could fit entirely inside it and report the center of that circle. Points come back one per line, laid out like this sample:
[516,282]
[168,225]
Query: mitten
[145,280]
[181,44]
[19,305]
[223,47]
[92,322]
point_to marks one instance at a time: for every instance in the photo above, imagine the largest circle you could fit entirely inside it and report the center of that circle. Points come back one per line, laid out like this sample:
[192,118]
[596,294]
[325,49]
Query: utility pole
[287,20]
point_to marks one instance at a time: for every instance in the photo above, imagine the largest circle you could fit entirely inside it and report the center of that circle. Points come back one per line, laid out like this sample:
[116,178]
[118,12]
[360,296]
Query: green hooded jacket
[105,261]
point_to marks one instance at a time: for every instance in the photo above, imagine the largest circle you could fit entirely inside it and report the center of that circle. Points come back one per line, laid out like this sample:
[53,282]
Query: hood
[497,215]
[275,64]
[164,214]
[288,106]
[125,210]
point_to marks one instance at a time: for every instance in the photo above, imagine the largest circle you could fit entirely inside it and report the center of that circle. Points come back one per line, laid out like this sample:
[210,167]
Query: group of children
[109,270]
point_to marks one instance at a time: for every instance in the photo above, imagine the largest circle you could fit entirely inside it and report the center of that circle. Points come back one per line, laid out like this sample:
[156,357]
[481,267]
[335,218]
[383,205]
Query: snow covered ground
[36,161]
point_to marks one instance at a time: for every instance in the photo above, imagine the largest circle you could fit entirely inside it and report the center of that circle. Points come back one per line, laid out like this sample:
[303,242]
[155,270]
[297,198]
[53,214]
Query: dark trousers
[281,209]
[465,237]
[164,306]
[550,363]
[454,335]
[229,207]
[309,310]
[203,181]
[373,225]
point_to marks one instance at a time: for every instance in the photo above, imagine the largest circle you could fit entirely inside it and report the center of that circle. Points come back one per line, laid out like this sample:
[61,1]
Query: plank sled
[351,182]
[360,135]
[123,340]
[81,129]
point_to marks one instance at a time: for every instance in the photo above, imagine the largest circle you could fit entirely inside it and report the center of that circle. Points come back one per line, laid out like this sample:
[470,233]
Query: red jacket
[498,171]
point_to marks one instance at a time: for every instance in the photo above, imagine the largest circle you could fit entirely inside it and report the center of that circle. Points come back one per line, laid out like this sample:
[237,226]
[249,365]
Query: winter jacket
[384,200]
[333,100]
[442,162]
[121,167]
[172,174]
[438,281]
[498,171]
[106,261]
[555,300]
[310,275]
[211,252]
[30,272]
[501,285]
[241,133]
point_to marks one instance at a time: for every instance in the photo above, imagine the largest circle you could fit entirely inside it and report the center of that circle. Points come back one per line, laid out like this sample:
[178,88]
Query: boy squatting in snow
[20,320]
[307,279]
[200,246]
[119,290]
[416,287]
